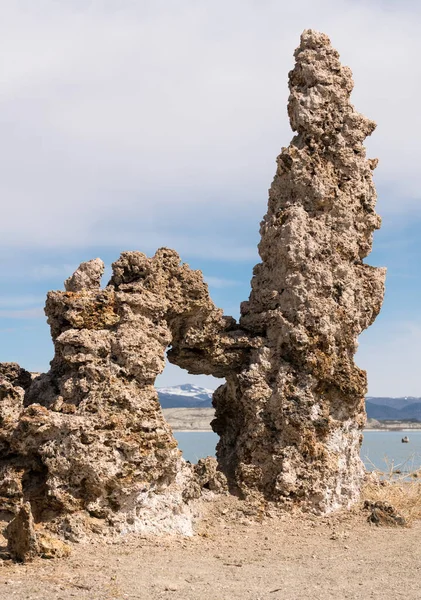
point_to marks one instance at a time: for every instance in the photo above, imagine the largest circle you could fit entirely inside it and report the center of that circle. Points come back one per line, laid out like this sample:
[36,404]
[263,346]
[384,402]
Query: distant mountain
[185,396]
[383,412]
[385,408]
[394,402]
[377,411]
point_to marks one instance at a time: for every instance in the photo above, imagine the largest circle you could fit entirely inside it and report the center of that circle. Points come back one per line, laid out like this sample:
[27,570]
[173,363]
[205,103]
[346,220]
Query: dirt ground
[189,419]
[235,556]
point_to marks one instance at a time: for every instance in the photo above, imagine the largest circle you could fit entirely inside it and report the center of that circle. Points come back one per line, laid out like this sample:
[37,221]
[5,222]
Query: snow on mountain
[188,395]
[397,403]
[185,395]
[186,389]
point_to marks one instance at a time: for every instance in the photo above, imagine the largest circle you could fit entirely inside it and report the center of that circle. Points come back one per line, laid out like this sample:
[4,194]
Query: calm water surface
[380,449]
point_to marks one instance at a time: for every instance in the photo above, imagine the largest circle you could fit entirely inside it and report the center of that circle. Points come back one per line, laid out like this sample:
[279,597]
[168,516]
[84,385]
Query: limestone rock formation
[85,447]
[13,383]
[291,422]
[89,438]
[22,539]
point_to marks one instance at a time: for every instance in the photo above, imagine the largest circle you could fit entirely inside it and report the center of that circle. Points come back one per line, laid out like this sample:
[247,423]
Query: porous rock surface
[291,422]
[13,382]
[85,447]
[22,539]
[89,439]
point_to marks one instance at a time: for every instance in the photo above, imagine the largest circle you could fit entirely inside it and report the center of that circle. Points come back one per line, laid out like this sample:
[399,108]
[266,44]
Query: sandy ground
[235,556]
[189,419]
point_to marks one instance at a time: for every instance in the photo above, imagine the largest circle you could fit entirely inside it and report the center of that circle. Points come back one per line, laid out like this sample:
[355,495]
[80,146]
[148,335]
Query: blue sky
[133,125]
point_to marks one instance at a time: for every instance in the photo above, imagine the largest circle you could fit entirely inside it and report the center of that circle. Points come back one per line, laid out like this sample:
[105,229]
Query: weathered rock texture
[291,421]
[13,383]
[22,539]
[86,445]
[89,438]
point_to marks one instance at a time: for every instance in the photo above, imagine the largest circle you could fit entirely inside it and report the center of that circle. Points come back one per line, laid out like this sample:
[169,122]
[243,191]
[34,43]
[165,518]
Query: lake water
[380,449]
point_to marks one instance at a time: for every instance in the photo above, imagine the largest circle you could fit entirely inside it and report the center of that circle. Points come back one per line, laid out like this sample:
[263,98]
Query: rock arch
[92,431]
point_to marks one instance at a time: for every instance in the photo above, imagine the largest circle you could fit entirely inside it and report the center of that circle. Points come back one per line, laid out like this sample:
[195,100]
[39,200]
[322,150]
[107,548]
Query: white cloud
[26,313]
[45,271]
[25,306]
[24,300]
[220,282]
[135,125]
[24,266]
[147,109]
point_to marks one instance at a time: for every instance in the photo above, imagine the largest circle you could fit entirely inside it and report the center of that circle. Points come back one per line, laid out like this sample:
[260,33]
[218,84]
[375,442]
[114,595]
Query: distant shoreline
[193,430]
[364,430]
[396,429]
[185,420]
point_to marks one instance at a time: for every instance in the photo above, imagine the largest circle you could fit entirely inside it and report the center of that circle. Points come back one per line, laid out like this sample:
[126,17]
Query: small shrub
[398,487]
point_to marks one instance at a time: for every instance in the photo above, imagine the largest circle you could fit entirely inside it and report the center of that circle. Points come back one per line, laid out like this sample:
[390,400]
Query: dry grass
[398,486]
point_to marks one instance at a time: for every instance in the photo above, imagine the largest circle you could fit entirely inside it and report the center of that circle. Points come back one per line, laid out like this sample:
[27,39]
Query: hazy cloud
[219,282]
[25,300]
[138,109]
[42,272]
[133,125]
[26,313]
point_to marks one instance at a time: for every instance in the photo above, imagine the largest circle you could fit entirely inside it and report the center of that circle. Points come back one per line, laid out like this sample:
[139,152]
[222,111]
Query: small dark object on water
[405,440]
